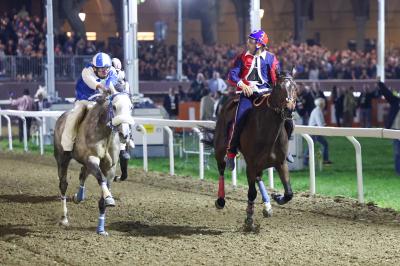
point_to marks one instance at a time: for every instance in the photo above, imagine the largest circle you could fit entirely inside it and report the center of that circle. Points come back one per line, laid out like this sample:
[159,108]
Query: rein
[266,98]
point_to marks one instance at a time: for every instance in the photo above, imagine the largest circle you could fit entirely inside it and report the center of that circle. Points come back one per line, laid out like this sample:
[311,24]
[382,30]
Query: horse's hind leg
[93,166]
[62,164]
[220,202]
[80,196]
[283,171]
[267,211]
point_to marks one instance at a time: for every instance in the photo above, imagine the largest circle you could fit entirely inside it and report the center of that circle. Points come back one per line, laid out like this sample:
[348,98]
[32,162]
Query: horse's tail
[208,136]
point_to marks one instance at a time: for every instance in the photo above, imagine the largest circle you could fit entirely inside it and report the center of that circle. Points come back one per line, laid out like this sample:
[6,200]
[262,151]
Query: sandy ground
[163,220]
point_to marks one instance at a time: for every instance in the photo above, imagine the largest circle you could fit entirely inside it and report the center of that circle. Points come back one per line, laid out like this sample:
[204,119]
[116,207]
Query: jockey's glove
[247,90]
[101,87]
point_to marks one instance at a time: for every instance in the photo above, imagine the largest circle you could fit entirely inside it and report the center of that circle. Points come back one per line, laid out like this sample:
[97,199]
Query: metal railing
[304,131]
[34,68]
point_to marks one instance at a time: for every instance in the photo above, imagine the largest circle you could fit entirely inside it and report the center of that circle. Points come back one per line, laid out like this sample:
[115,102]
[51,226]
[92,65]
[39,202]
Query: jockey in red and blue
[253,73]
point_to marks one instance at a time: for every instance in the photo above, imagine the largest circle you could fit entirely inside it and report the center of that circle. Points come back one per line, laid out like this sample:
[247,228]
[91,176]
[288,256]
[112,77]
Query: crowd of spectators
[25,35]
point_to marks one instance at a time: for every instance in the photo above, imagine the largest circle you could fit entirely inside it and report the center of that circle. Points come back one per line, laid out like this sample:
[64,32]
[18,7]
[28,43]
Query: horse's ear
[294,71]
[101,99]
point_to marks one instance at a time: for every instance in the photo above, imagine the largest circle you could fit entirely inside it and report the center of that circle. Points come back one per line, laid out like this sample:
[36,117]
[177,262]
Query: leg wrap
[100,225]
[81,193]
[263,191]
[221,187]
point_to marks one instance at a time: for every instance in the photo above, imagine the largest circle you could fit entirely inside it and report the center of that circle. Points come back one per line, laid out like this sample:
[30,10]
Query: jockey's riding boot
[124,154]
[290,158]
[230,161]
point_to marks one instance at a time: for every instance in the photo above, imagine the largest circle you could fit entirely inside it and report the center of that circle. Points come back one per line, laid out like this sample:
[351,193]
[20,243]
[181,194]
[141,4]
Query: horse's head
[119,112]
[285,92]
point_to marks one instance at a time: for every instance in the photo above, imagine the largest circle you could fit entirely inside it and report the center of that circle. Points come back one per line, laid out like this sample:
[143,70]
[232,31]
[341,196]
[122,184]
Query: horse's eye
[114,108]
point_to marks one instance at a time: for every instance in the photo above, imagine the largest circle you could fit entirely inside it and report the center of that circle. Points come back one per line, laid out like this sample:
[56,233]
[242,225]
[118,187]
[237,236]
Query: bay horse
[263,143]
[96,147]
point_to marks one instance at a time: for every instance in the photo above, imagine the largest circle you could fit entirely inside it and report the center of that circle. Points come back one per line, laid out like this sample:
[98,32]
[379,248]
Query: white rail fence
[304,131]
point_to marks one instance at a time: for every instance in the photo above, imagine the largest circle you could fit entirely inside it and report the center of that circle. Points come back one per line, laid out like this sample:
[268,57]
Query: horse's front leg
[80,195]
[283,171]
[62,163]
[251,196]
[102,218]
[267,211]
[93,166]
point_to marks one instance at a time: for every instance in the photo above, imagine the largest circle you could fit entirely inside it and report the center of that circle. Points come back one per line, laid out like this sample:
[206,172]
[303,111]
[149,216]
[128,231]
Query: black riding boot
[123,163]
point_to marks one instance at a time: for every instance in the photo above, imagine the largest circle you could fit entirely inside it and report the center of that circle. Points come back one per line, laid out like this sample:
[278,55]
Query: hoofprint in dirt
[172,220]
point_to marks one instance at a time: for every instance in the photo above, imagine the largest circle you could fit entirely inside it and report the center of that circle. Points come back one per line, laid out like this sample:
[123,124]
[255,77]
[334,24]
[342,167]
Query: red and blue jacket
[244,64]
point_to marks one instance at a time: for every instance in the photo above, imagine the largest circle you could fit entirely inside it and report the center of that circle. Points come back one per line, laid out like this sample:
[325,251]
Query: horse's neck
[97,120]
[270,122]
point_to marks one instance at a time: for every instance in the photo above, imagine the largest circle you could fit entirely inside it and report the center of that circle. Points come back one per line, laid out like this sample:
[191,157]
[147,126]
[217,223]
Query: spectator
[337,98]
[24,103]
[308,98]
[317,119]
[365,104]
[206,106]
[349,107]
[216,84]
[197,87]
[171,103]
[393,120]
[183,94]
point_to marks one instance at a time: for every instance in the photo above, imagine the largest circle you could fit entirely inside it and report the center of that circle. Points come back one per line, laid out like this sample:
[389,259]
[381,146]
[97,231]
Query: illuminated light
[91,36]
[145,36]
[261,13]
[82,16]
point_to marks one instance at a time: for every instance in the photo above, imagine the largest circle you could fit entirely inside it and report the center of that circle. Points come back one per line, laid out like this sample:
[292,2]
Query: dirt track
[164,220]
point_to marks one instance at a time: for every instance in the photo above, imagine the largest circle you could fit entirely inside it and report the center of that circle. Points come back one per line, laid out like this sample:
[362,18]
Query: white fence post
[311,161]
[10,140]
[271,177]
[234,174]
[144,132]
[360,186]
[25,132]
[201,152]
[40,122]
[171,150]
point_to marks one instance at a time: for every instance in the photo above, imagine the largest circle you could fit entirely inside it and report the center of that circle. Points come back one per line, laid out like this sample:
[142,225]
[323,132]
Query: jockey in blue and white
[95,78]
[123,85]
[254,73]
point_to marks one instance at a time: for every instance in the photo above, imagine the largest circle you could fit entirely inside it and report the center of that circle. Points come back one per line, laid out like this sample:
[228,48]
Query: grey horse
[96,148]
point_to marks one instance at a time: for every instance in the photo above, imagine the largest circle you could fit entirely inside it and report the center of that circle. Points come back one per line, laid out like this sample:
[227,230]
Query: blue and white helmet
[101,60]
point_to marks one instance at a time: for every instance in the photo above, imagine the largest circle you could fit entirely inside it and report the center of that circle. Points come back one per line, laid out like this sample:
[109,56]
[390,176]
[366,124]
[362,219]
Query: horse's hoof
[109,201]
[220,203]
[75,198]
[249,224]
[102,233]
[117,179]
[279,199]
[64,221]
[267,213]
